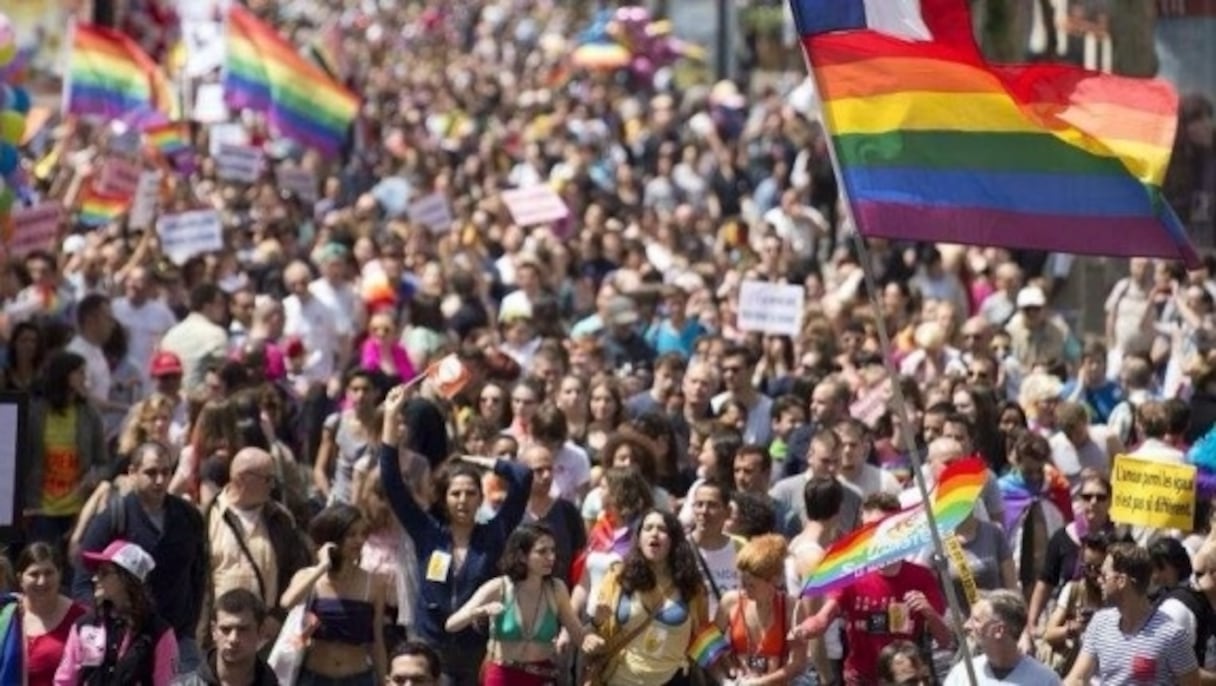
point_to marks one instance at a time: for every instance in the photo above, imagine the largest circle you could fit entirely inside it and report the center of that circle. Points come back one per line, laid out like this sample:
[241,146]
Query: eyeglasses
[1094,497]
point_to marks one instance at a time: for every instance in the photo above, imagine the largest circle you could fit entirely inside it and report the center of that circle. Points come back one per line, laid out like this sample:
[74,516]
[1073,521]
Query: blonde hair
[763,556]
[138,428]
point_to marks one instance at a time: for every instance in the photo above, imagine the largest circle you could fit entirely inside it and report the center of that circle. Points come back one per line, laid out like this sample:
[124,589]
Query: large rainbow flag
[935,144]
[902,534]
[263,72]
[110,76]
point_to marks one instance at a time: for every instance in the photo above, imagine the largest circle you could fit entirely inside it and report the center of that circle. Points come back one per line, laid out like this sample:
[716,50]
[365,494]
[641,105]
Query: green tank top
[508,627]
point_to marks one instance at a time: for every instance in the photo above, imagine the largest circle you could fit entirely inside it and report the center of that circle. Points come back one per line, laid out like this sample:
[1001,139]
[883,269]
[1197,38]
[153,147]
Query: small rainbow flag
[265,73]
[97,209]
[904,533]
[110,76]
[708,647]
[169,138]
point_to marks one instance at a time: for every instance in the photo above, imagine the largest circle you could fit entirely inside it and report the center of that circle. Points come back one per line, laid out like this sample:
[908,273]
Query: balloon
[8,41]
[8,159]
[6,200]
[12,126]
[20,100]
[6,96]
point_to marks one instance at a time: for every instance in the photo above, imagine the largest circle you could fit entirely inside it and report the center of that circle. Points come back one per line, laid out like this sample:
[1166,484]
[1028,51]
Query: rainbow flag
[110,76]
[904,533]
[168,138]
[265,73]
[932,143]
[97,209]
[708,646]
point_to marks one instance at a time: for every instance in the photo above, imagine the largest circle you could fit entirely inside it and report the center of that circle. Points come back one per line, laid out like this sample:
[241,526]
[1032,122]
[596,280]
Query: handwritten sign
[147,198]
[187,234]
[240,163]
[35,228]
[535,205]
[773,308]
[432,211]
[1153,494]
[119,178]
[302,182]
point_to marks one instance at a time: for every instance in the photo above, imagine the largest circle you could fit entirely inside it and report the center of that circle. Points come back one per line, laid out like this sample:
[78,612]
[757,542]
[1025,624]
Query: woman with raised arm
[456,554]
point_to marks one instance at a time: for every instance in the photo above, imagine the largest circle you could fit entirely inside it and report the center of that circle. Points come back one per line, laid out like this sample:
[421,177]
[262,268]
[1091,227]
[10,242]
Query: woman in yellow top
[649,609]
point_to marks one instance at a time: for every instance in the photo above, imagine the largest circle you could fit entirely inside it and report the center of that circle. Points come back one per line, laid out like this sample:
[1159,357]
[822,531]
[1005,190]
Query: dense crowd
[258,458]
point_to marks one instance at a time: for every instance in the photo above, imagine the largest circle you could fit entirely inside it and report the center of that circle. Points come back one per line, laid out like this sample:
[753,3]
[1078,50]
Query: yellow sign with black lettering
[1153,494]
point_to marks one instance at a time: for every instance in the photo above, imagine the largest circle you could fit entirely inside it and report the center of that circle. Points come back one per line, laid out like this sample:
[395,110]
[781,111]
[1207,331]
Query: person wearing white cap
[1035,338]
[123,641]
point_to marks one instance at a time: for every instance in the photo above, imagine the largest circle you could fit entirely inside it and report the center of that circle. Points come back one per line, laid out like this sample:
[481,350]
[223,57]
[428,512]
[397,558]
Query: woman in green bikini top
[527,609]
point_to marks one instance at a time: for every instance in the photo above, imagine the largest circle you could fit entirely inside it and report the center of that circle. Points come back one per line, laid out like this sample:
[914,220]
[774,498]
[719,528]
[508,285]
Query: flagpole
[940,561]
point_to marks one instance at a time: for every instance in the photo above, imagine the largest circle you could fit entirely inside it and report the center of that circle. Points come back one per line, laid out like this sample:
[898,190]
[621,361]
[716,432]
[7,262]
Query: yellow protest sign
[1153,494]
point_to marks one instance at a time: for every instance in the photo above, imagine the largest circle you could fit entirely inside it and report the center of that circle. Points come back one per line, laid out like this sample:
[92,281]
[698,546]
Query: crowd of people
[248,469]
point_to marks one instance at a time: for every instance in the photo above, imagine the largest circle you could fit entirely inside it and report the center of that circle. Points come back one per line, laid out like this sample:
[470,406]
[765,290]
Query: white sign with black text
[240,163]
[432,211]
[185,235]
[773,308]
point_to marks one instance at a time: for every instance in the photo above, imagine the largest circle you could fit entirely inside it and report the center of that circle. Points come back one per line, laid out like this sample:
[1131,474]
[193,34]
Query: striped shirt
[1157,653]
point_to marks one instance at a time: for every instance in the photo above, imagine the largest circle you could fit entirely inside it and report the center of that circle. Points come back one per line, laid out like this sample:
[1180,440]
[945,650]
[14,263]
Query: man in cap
[624,347]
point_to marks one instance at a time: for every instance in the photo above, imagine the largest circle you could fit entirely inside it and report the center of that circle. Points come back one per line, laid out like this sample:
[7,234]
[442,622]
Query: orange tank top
[772,643]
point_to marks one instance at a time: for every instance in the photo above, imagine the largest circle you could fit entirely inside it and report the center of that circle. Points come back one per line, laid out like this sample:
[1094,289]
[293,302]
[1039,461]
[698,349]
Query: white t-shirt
[1027,672]
[341,301]
[97,370]
[871,480]
[721,566]
[317,328]
[145,326]
[571,471]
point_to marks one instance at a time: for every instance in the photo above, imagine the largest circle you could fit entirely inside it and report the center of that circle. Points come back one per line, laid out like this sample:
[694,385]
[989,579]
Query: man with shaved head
[254,542]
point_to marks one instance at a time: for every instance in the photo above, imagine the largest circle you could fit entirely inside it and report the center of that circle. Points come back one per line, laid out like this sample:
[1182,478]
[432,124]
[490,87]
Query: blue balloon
[6,96]
[8,159]
[20,100]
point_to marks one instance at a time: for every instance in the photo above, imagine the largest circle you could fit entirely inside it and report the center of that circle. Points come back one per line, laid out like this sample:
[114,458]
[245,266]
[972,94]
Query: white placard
[302,182]
[432,211]
[774,308]
[8,464]
[147,197]
[35,228]
[209,106]
[240,163]
[535,205]
[185,235]
[219,135]
[119,178]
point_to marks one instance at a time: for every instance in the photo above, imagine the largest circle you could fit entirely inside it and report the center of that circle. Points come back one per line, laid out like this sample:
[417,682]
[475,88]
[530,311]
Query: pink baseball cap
[122,554]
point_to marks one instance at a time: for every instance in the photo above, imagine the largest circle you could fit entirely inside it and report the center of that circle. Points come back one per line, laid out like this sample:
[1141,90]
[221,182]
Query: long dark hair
[143,608]
[514,561]
[58,393]
[444,476]
[39,347]
[331,526]
[636,574]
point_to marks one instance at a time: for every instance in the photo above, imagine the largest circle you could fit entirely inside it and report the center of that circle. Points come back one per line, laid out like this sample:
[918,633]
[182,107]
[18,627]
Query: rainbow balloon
[899,535]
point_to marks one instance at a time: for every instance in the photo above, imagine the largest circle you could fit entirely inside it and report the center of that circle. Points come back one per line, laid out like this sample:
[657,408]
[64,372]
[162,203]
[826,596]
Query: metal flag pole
[940,562]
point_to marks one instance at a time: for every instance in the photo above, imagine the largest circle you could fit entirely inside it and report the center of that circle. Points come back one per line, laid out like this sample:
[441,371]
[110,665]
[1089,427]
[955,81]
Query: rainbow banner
[935,144]
[97,209]
[902,534]
[265,73]
[110,76]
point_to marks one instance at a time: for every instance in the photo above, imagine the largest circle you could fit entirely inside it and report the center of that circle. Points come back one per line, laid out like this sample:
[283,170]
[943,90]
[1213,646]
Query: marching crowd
[349,450]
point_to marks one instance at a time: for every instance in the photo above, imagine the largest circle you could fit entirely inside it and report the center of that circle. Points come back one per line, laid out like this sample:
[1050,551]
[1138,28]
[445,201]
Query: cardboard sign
[147,198]
[1153,494]
[432,211]
[302,182]
[119,177]
[240,163]
[535,205]
[35,228]
[219,135]
[209,106]
[773,308]
[187,234]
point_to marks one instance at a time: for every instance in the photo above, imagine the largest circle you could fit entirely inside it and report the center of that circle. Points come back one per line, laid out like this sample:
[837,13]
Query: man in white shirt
[571,466]
[94,324]
[146,318]
[310,320]
[201,336]
[995,623]
[333,289]
[716,552]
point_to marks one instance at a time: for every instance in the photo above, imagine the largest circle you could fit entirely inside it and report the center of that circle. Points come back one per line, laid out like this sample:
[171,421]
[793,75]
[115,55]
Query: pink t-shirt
[371,355]
[86,647]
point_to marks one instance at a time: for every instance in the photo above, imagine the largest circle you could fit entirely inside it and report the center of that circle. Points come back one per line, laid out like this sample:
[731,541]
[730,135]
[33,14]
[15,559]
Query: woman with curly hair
[632,450]
[149,421]
[649,608]
[525,608]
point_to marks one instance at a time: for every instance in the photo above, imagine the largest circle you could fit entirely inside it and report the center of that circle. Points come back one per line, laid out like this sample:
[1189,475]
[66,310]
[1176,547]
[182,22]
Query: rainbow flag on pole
[110,76]
[932,143]
[169,138]
[97,209]
[905,533]
[265,73]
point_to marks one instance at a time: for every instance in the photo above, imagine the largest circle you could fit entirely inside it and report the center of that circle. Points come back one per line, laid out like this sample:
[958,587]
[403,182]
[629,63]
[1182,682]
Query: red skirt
[520,674]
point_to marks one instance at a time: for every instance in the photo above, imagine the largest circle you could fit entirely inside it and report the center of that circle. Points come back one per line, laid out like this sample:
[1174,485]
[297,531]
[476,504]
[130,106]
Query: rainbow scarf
[899,535]
[1019,496]
[606,536]
[12,671]
[263,72]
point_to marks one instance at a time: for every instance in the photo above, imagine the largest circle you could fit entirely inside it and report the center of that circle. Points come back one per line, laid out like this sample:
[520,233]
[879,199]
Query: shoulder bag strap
[240,541]
[713,585]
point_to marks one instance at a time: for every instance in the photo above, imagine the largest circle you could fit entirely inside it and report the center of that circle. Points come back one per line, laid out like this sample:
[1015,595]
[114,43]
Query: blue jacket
[439,599]
[179,581]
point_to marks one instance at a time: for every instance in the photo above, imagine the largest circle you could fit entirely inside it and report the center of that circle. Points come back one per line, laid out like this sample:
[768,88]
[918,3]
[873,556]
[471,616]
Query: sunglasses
[1094,497]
